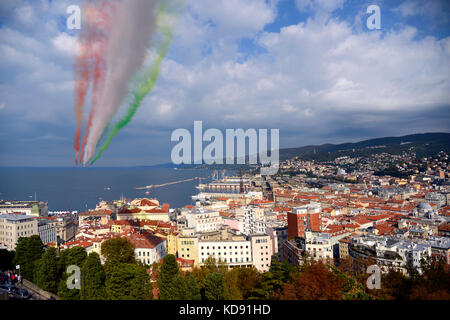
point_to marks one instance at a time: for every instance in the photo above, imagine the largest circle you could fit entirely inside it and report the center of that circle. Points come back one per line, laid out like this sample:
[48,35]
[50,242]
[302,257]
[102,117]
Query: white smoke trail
[132,31]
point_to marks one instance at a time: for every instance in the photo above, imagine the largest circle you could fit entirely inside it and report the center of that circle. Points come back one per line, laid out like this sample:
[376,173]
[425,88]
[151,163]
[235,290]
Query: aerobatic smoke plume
[115,46]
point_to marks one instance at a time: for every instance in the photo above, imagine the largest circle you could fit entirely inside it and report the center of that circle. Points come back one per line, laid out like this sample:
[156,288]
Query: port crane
[152,186]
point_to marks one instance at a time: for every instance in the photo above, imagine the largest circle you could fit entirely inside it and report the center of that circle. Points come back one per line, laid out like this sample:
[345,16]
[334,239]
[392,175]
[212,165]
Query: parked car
[7,288]
[18,293]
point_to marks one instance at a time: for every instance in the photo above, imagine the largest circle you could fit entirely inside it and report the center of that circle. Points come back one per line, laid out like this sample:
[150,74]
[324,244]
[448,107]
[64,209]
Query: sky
[310,68]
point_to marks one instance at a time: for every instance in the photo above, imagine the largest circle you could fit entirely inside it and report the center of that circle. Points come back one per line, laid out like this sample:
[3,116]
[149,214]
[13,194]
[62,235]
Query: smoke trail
[146,85]
[82,80]
[134,23]
[101,24]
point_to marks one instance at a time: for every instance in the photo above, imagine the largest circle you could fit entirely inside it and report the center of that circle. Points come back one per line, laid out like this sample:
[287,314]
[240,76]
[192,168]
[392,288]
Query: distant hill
[424,144]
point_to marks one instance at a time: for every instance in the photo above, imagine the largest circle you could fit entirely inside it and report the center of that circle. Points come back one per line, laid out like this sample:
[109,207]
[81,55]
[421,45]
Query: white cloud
[235,18]
[65,43]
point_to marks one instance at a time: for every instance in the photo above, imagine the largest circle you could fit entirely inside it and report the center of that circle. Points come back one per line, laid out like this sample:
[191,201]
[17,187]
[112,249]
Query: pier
[167,183]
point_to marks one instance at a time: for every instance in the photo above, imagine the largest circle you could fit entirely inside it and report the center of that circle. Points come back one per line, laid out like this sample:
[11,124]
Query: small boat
[108,188]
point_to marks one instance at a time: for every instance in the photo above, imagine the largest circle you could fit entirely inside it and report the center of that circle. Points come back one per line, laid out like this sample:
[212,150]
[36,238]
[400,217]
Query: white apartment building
[253,220]
[234,253]
[318,245]
[47,231]
[14,226]
[204,220]
[148,248]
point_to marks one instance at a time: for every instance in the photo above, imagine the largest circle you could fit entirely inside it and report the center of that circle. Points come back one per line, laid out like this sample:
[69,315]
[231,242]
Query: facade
[440,249]
[103,216]
[292,253]
[148,247]
[65,228]
[253,221]
[15,226]
[436,198]
[343,247]
[187,248]
[172,243]
[318,245]
[390,251]
[307,217]
[234,253]
[47,231]
[278,235]
[262,251]
[31,208]
[204,220]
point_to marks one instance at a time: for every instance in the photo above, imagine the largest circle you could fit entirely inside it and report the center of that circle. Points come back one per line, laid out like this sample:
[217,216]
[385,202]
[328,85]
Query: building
[292,253]
[47,230]
[262,251]
[278,234]
[145,209]
[187,247]
[204,220]
[65,228]
[103,216]
[307,217]
[31,208]
[148,247]
[234,253]
[343,247]
[15,226]
[440,249]
[253,220]
[436,198]
[318,245]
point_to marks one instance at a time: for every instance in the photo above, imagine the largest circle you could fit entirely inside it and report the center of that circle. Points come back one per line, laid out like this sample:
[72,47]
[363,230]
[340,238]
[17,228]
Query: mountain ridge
[424,143]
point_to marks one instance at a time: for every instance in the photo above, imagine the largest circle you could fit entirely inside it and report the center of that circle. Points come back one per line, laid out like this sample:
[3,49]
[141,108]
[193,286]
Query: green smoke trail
[148,79]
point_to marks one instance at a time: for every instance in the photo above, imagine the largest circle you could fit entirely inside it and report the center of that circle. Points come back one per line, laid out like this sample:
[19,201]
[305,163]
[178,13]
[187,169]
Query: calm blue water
[81,188]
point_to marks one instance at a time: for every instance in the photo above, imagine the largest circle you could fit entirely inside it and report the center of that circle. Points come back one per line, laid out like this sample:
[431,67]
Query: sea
[68,189]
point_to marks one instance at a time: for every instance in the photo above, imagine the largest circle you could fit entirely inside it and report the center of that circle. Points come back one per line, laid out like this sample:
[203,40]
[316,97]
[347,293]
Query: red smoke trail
[81,74]
[100,24]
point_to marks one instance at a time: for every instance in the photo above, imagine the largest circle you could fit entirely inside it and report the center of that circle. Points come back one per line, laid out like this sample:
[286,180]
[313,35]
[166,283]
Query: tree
[248,279]
[70,257]
[93,278]
[232,285]
[28,251]
[126,281]
[192,288]
[120,250]
[316,282]
[265,287]
[73,256]
[167,273]
[215,286]
[271,282]
[47,271]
